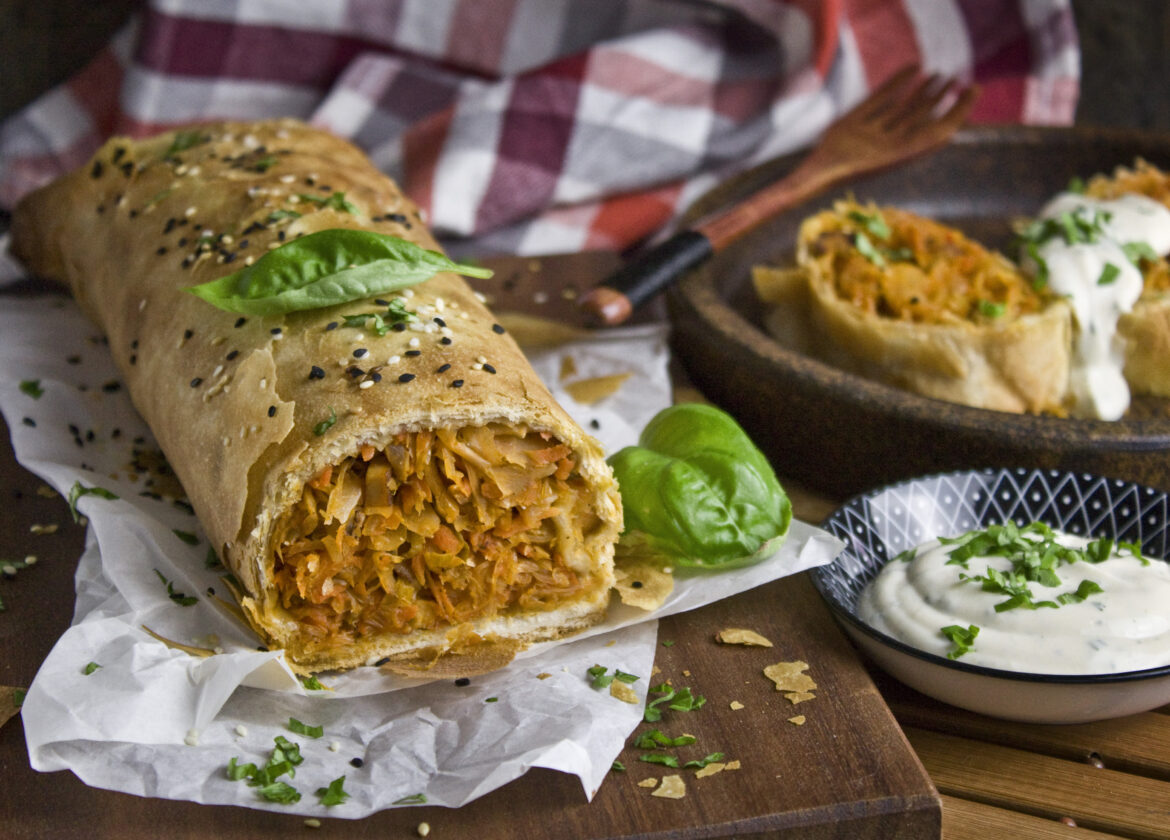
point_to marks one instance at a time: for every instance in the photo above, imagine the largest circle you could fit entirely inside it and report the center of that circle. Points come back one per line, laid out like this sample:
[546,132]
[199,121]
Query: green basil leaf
[698,493]
[413,799]
[281,792]
[327,268]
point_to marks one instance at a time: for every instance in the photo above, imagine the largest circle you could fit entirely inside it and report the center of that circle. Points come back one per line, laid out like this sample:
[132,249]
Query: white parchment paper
[156,721]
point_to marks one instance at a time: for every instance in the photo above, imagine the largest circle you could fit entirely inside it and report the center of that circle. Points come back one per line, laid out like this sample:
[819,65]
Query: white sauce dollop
[1126,627]
[1074,270]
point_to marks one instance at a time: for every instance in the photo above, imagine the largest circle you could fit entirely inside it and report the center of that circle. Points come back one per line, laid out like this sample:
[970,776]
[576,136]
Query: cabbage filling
[438,528]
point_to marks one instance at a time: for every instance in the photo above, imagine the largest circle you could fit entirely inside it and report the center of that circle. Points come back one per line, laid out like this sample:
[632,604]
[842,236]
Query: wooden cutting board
[845,771]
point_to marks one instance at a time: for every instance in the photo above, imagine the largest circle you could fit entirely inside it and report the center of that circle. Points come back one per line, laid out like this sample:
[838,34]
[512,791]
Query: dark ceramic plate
[877,526]
[840,433]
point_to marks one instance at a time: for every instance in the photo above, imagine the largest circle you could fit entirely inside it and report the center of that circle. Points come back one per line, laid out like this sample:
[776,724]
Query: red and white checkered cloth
[543,126]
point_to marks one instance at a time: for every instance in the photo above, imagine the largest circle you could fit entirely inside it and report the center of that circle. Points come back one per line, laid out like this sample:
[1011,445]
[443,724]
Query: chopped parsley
[186,536]
[962,638]
[873,223]
[991,309]
[279,215]
[657,739]
[178,597]
[90,668]
[333,201]
[1138,251]
[326,424]
[679,700]
[1109,275]
[211,560]
[334,794]
[299,728]
[381,323]
[185,140]
[312,683]
[413,799]
[281,792]
[32,387]
[284,759]
[600,678]
[78,490]
[659,758]
[700,763]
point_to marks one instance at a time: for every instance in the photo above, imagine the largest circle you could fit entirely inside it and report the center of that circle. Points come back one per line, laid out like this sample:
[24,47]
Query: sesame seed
[439,321]
[218,370]
[241,730]
[196,382]
[458,383]
[477,366]
[355,371]
[332,325]
[398,326]
[28,421]
[355,762]
[393,360]
[489,368]
[189,212]
[498,330]
[413,353]
[413,342]
[232,355]
[316,373]
[481,359]
[97,170]
[240,322]
[381,302]
[271,411]
[361,351]
[463,682]
[443,368]
[369,383]
[334,746]
[406,377]
[445,340]
[187,334]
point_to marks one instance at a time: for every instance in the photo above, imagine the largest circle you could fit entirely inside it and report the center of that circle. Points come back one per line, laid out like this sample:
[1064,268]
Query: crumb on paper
[596,388]
[241,730]
[192,738]
[672,787]
[710,770]
[649,781]
[742,636]
[568,368]
[611,643]
[735,705]
[645,586]
[543,675]
[797,720]
[624,692]
[790,676]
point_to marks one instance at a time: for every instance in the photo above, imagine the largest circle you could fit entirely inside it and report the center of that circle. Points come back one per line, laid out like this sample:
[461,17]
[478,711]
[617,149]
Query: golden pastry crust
[905,300]
[236,402]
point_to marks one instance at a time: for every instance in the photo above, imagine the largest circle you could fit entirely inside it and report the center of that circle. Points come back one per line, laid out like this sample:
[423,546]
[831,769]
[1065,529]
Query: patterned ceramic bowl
[877,526]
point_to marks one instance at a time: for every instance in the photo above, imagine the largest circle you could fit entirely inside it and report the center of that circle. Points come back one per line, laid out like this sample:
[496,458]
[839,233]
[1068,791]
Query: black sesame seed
[376,377]
[595,424]
[112,387]
[133,214]
[398,326]
[332,325]
[381,302]
[196,382]
[89,436]
[97,170]
[406,377]
[439,321]
[243,243]
[636,584]
[356,762]
[116,433]
[240,322]
[381,661]
[458,383]
[355,371]
[187,334]
[361,351]
[271,411]
[316,373]
[412,353]
[396,217]
[28,421]
[232,355]
[445,340]
[462,682]
[498,330]
[127,169]
[101,208]
[255,227]
[74,360]
[118,153]
[134,344]
[443,368]
[276,330]
[281,235]
[187,262]
[182,242]
[229,256]
[489,368]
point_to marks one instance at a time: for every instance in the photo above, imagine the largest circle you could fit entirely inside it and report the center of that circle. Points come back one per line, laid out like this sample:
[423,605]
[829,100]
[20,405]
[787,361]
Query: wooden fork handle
[645,276]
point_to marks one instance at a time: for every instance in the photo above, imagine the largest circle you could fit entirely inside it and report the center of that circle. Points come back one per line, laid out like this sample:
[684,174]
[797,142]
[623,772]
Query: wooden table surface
[872,760]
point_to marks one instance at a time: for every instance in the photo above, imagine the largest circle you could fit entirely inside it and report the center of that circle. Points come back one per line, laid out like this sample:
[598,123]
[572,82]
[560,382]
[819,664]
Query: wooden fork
[899,120]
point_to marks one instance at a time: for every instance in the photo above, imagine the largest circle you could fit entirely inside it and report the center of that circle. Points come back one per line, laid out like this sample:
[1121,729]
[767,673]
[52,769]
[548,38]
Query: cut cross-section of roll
[916,304]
